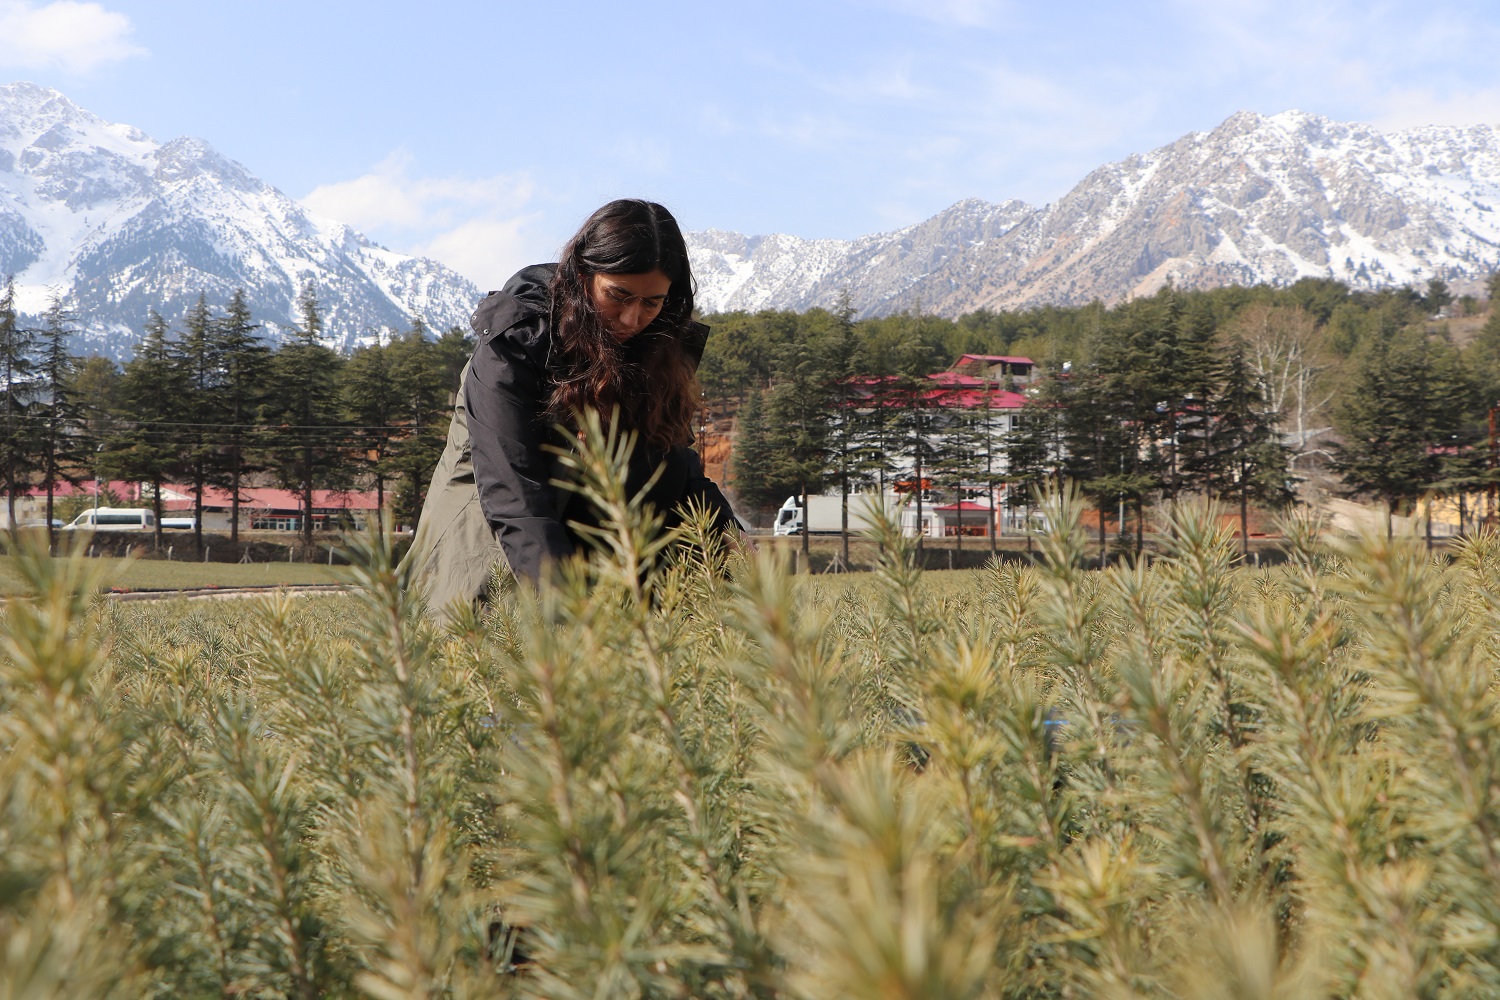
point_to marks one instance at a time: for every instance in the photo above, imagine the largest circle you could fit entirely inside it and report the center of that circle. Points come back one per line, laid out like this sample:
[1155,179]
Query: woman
[608,326]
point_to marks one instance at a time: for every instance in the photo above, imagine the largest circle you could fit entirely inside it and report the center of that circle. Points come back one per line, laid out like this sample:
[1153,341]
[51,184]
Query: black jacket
[505,393]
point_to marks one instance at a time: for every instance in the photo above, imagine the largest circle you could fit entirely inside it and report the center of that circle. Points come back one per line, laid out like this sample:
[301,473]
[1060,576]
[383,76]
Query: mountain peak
[1256,199]
[24,97]
[186,157]
[121,224]
[28,110]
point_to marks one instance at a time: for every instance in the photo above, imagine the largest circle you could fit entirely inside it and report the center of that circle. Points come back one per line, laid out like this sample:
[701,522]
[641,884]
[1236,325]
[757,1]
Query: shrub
[682,772]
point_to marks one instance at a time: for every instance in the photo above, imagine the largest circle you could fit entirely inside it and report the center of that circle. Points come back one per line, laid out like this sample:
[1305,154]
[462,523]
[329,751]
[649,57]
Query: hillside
[120,223]
[1257,199]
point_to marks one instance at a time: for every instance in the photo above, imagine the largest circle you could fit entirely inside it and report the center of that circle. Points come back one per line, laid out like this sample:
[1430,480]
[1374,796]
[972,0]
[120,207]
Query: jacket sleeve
[704,491]
[503,396]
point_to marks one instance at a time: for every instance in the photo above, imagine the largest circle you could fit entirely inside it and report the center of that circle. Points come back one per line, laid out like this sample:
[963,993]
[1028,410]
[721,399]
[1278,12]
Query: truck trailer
[825,514]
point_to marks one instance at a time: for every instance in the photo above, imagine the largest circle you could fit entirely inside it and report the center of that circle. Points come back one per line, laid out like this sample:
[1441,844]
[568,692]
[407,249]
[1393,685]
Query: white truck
[825,514]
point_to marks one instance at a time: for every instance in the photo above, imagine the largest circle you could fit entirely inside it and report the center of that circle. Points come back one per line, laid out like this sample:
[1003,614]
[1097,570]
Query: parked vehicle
[178,523]
[113,519]
[825,514]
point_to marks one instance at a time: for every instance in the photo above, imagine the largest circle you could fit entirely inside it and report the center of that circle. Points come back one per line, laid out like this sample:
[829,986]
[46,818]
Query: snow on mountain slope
[1257,199]
[120,224]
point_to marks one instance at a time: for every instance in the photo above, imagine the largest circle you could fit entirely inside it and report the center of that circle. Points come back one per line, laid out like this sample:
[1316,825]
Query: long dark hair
[649,377]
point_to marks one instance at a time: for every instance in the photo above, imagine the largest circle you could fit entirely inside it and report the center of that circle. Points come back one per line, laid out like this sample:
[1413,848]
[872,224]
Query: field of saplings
[702,777]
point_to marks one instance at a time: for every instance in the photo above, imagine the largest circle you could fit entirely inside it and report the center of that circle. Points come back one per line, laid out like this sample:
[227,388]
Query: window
[132,520]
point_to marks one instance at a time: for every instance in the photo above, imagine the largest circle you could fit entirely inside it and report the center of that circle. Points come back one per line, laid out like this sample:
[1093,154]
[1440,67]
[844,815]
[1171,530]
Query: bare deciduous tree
[1285,355]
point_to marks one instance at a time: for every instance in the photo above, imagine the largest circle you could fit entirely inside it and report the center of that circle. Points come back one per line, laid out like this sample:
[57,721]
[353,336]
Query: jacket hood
[526,294]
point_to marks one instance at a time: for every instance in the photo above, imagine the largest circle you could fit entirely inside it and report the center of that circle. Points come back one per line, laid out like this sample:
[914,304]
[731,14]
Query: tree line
[214,403]
[1226,392]
[1238,393]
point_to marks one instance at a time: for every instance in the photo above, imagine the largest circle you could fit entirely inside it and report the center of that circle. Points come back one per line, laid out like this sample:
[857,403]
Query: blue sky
[482,133]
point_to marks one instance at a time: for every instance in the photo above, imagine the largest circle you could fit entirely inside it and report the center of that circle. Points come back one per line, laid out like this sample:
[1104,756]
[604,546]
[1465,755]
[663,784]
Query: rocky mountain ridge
[1257,199]
[119,223]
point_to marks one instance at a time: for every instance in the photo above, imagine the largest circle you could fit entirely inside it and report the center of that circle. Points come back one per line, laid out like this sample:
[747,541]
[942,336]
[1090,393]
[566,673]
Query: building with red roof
[996,367]
[271,509]
[261,507]
[989,392]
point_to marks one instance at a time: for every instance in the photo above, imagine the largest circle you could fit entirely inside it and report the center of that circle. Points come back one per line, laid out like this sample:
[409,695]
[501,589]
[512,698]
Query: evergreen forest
[1241,394]
[216,404]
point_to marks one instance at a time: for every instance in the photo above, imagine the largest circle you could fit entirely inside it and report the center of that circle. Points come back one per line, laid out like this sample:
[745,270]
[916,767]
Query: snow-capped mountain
[119,223]
[1258,199]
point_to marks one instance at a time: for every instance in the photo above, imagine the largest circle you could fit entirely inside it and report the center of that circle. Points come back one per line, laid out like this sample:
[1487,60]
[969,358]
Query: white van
[113,519]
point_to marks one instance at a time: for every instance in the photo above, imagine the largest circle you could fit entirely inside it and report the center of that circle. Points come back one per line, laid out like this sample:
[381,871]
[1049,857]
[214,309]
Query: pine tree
[1380,453]
[961,464]
[752,464]
[842,364]
[1190,378]
[798,421]
[57,423]
[419,379]
[307,446]
[1394,426]
[995,433]
[1459,411]
[245,371]
[453,350]
[1034,448]
[916,417]
[1244,458]
[19,381]
[94,383]
[1484,353]
[151,392]
[1438,296]
[1141,398]
[1099,442]
[371,405]
[197,353]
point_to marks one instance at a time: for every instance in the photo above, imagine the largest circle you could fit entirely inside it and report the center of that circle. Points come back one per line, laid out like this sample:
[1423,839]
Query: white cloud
[481,227]
[387,197]
[68,35]
[486,251]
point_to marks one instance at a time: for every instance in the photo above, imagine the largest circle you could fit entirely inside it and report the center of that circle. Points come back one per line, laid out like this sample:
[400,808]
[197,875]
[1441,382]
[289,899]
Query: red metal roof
[120,488]
[251,497]
[266,498]
[973,399]
[994,359]
[954,390]
[958,378]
